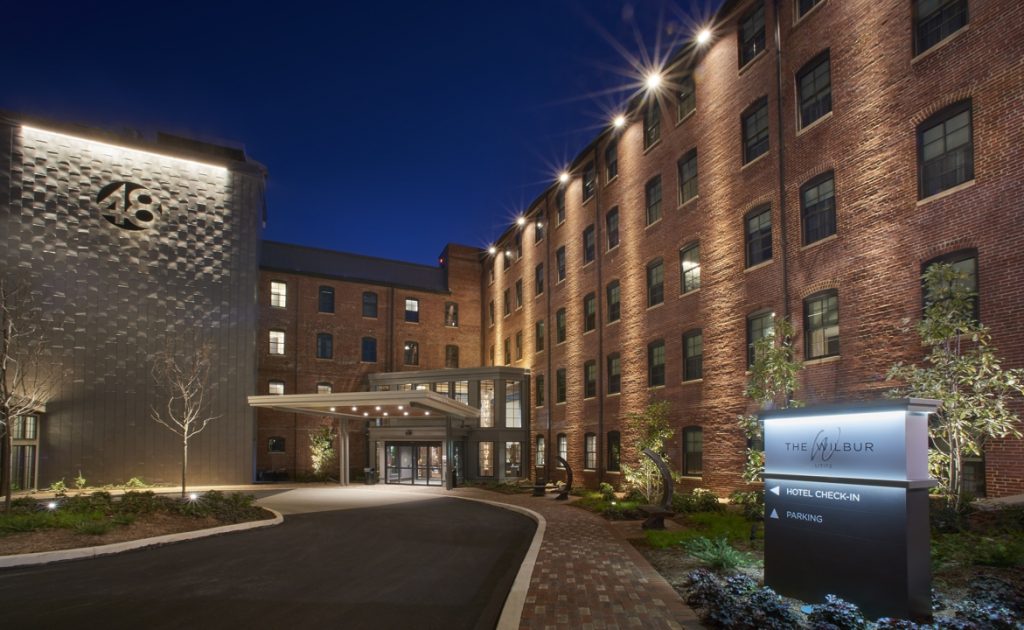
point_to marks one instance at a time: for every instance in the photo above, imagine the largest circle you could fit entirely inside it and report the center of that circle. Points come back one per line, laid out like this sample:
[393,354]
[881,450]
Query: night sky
[388,128]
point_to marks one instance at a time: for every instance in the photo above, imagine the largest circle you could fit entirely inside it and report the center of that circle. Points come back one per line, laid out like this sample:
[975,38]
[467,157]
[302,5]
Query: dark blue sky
[388,128]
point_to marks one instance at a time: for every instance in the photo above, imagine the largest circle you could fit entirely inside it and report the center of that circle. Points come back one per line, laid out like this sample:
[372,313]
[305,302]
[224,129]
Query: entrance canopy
[391,404]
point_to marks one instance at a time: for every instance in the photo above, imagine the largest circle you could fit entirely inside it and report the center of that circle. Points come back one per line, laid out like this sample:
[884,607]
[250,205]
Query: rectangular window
[935,20]
[276,445]
[326,300]
[538,335]
[277,342]
[614,451]
[689,268]
[539,387]
[755,130]
[369,350]
[560,206]
[324,346]
[945,150]
[278,294]
[751,34]
[589,180]
[486,457]
[513,459]
[519,293]
[560,325]
[519,245]
[655,283]
[540,454]
[508,351]
[759,326]
[821,325]
[589,312]
[814,84]
[462,392]
[490,274]
[560,263]
[803,6]
[656,364]
[506,302]
[538,228]
[590,379]
[589,245]
[687,103]
[369,304]
[614,373]
[652,124]
[687,169]
[492,355]
[412,310]
[506,259]
[451,314]
[513,405]
[759,236]
[693,451]
[614,307]
[560,385]
[563,448]
[818,208]
[276,388]
[519,345]
[590,452]
[324,388]
[693,355]
[652,196]
[611,161]
[411,351]
[538,279]
[490,312]
[451,356]
[611,222]
[486,404]
[965,263]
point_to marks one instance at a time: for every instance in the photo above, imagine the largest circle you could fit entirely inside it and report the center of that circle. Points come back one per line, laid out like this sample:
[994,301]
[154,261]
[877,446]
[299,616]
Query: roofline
[376,283]
[331,404]
[363,256]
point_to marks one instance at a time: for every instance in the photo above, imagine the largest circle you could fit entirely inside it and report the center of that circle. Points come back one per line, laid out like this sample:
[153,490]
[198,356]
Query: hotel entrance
[414,463]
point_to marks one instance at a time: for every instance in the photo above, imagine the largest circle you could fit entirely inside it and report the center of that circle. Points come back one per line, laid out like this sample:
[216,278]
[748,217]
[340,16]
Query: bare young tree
[26,375]
[187,383]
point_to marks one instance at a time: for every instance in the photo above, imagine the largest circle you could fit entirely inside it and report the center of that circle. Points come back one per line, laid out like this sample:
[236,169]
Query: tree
[26,374]
[773,379]
[187,383]
[321,450]
[651,429]
[962,371]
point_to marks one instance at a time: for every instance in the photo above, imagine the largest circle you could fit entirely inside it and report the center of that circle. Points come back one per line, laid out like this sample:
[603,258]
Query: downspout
[549,378]
[389,365]
[599,299]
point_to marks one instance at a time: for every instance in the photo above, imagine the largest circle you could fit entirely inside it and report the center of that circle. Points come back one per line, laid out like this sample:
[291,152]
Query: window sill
[823,360]
[586,264]
[610,181]
[801,131]
[368,317]
[820,241]
[408,322]
[588,199]
[924,55]
[759,265]
[611,249]
[650,387]
[658,305]
[946,193]
[692,476]
[690,292]
[652,223]
[688,116]
[756,160]
[747,66]
[587,332]
[559,403]
[688,202]
[695,381]
[653,146]
[613,395]
[368,362]
[613,322]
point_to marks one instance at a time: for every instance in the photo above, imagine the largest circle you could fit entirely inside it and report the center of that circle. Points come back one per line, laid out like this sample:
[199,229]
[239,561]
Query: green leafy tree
[960,369]
[651,429]
[773,379]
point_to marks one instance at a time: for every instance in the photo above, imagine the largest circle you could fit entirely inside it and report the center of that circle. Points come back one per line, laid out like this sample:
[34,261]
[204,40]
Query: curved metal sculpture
[563,495]
[656,513]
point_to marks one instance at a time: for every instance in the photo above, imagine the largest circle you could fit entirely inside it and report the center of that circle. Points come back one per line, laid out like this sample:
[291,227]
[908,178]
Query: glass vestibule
[414,463]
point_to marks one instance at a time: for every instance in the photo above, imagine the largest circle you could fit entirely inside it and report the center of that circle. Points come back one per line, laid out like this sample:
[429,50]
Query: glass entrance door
[414,463]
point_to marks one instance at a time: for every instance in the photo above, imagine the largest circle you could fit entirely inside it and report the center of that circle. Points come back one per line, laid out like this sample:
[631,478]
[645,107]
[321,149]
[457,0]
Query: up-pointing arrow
[774,514]
[774,490]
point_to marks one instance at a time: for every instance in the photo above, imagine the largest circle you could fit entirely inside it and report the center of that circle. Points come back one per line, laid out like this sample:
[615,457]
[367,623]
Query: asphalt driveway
[421,562]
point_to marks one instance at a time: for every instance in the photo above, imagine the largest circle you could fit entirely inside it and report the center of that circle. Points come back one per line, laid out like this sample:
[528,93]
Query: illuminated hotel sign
[128,205]
[846,505]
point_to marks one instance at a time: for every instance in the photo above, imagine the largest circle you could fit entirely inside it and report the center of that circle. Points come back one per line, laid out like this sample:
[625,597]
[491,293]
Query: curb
[62,555]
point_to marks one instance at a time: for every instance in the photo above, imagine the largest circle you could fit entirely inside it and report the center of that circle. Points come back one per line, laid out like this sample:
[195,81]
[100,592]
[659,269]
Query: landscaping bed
[88,520]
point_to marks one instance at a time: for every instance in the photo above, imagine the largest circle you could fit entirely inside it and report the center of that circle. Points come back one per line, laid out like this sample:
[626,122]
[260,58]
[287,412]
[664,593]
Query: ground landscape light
[193,496]
[332,408]
[52,505]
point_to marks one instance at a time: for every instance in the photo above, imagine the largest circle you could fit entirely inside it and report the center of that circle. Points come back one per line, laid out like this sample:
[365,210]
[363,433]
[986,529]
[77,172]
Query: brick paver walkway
[588,577]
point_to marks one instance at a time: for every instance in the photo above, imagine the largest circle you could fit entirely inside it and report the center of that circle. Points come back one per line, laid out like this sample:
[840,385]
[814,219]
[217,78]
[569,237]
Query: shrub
[888,623]
[837,613]
[141,502]
[765,610]
[986,615]
[59,488]
[1002,551]
[992,590]
[230,508]
[136,482]
[718,554]
[607,491]
[700,500]
[80,481]
[737,602]
[751,502]
[91,527]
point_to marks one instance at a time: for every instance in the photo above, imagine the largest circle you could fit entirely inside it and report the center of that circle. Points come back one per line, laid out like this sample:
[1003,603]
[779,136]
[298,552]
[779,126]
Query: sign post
[846,505]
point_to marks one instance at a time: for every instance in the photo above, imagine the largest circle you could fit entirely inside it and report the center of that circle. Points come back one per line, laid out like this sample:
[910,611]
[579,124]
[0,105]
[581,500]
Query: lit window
[486,404]
[560,206]
[945,150]
[462,392]
[612,227]
[513,405]
[693,451]
[560,263]
[611,161]
[693,355]
[369,304]
[759,326]
[814,84]
[935,20]
[751,34]
[519,345]
[519,293]
[411,353]
[759,236]
[369,350]
[324,346]
[412,310]
[652,196]
[560,325]
[687,98]
[276,445]
[689,268]
[589,245]
[589,180]
[755,130]
[589,313]
[614,451]
[326,300]
[560,385]
[451,314]
[538,335]
[540,454]
[590,379]
[278,294]
[821,325]
[687,169]
[451,356]
[614,306]
[563,448]
[513,459]
[590,451]
[656,364]
[276,388]
[539,386]
[538,279]
[277,342]
[652,123]
[614,373]
[818,208]
[655,283]
[324,388]
[486,459]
